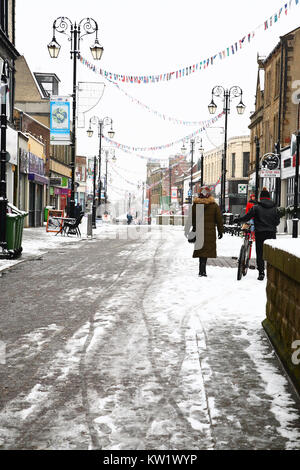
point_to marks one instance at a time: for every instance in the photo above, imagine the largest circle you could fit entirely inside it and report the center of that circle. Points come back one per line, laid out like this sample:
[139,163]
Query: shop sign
[55,181]
[54,220]
[36,165]
[64,182]
[264,173]
[242,189]
[60,120]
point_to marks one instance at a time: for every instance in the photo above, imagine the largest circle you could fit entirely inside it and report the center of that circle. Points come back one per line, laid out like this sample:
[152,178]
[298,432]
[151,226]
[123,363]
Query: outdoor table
[63,220]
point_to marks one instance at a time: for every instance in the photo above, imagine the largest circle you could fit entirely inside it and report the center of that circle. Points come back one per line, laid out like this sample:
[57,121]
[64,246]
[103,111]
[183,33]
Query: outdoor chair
[72,227]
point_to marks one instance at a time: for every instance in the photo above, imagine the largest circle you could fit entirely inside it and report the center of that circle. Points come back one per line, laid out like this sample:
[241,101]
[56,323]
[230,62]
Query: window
[267,136]
[268,87]
[246,160]
[277,78]
[290,191]
[233,165]
[4,16]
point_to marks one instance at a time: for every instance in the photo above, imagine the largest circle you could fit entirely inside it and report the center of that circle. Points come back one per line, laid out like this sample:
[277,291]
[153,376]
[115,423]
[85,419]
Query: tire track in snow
[54,398]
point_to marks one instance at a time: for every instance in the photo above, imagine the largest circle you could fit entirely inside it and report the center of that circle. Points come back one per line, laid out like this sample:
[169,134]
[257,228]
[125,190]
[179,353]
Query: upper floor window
[233,165]
[246,160]
[268,87]
[277,78]
[4,16]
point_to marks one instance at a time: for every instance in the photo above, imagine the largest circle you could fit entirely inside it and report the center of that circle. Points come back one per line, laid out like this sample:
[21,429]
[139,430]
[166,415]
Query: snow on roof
[288,244]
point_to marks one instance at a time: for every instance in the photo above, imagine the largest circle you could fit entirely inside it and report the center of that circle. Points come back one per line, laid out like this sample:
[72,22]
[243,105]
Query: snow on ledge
[290,245]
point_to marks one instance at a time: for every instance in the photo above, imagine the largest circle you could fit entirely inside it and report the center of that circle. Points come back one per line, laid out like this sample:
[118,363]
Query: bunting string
[198,66]
[157,113]
[131,149]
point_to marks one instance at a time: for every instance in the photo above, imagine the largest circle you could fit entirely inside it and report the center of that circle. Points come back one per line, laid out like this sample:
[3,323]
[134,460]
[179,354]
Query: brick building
[9,53]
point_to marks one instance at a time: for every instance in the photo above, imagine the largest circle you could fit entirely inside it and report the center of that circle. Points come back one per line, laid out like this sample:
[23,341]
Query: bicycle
[245,253]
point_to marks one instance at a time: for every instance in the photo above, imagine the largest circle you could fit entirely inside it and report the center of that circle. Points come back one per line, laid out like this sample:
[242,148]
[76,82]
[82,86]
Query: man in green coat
[212,218]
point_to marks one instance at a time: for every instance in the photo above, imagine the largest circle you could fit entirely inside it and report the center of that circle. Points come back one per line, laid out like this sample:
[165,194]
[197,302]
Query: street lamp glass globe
[53,48]
[97,50]
[241,108]
[111,134]
[90,132]
[212,107]
[183,148]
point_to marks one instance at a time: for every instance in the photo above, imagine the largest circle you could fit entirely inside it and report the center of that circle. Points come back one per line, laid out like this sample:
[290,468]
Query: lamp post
[3,194]
[106,175]
[94,194]
[257,146]
[233,92]
[101,124]
[75,32]
[201,150]
[193,141]
[296,189]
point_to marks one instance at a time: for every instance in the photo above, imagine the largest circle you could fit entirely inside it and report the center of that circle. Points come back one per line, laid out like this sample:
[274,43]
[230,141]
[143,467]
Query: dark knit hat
[265,194]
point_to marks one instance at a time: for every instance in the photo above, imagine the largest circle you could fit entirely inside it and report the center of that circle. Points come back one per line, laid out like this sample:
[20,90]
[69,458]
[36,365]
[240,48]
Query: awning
[38,178]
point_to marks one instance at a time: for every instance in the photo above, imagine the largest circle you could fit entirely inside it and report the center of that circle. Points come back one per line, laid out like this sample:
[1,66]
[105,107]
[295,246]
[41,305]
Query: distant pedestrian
[250,203]
[129,219]
[207,224]
[249,206]
[78,210]
[266,218]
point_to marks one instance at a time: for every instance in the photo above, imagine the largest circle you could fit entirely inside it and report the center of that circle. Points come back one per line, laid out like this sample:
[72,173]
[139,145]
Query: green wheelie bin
[11,230]
[14,230]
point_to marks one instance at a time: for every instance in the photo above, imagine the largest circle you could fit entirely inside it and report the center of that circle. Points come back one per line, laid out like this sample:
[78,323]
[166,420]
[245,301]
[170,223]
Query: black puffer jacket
[265,215]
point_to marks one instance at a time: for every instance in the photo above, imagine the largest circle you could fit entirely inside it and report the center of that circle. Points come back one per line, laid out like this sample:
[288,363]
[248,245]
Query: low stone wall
[171,219]
[283,307]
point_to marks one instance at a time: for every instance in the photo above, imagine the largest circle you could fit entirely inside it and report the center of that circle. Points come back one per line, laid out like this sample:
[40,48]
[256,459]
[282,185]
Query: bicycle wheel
[247,259]
[241,263]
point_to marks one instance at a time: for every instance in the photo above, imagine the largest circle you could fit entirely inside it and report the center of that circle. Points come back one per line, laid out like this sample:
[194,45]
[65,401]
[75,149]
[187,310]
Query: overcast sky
[152,37]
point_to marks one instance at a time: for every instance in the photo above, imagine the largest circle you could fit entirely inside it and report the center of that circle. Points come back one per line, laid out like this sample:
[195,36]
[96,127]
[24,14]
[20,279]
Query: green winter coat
[212,218]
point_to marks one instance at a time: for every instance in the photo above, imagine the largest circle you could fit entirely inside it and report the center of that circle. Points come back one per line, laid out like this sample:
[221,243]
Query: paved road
[93,363]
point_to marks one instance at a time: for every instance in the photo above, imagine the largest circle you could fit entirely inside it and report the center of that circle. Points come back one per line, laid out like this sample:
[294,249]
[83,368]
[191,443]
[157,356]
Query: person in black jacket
[266,218]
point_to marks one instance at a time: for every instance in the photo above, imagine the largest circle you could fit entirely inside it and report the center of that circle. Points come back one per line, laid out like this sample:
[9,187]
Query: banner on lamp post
[60,120]
[174,195]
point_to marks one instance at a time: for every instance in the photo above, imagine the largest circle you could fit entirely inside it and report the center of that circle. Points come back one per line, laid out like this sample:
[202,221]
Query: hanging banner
[174,195]
[60,120]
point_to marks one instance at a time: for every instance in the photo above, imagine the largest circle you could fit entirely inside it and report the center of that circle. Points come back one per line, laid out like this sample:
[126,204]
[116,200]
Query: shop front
[37,193]
[60,184]
[11,166]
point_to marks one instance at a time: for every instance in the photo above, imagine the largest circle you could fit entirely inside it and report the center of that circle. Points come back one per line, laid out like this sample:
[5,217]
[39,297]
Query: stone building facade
[276,118]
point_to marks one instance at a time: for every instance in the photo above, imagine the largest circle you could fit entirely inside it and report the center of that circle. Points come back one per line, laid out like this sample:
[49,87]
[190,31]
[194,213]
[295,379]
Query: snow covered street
[116,343]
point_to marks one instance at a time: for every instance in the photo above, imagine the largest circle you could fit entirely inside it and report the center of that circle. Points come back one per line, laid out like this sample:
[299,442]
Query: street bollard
[89,231]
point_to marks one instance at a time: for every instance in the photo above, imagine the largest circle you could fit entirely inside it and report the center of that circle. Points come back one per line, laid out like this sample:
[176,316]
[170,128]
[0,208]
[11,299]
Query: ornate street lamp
[227,95]
[3,156]
[201,150]
[76,31]
[101,124]
[193,141]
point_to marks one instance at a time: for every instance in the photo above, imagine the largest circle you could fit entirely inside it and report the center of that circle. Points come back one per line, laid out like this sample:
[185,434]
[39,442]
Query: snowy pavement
[116,343]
